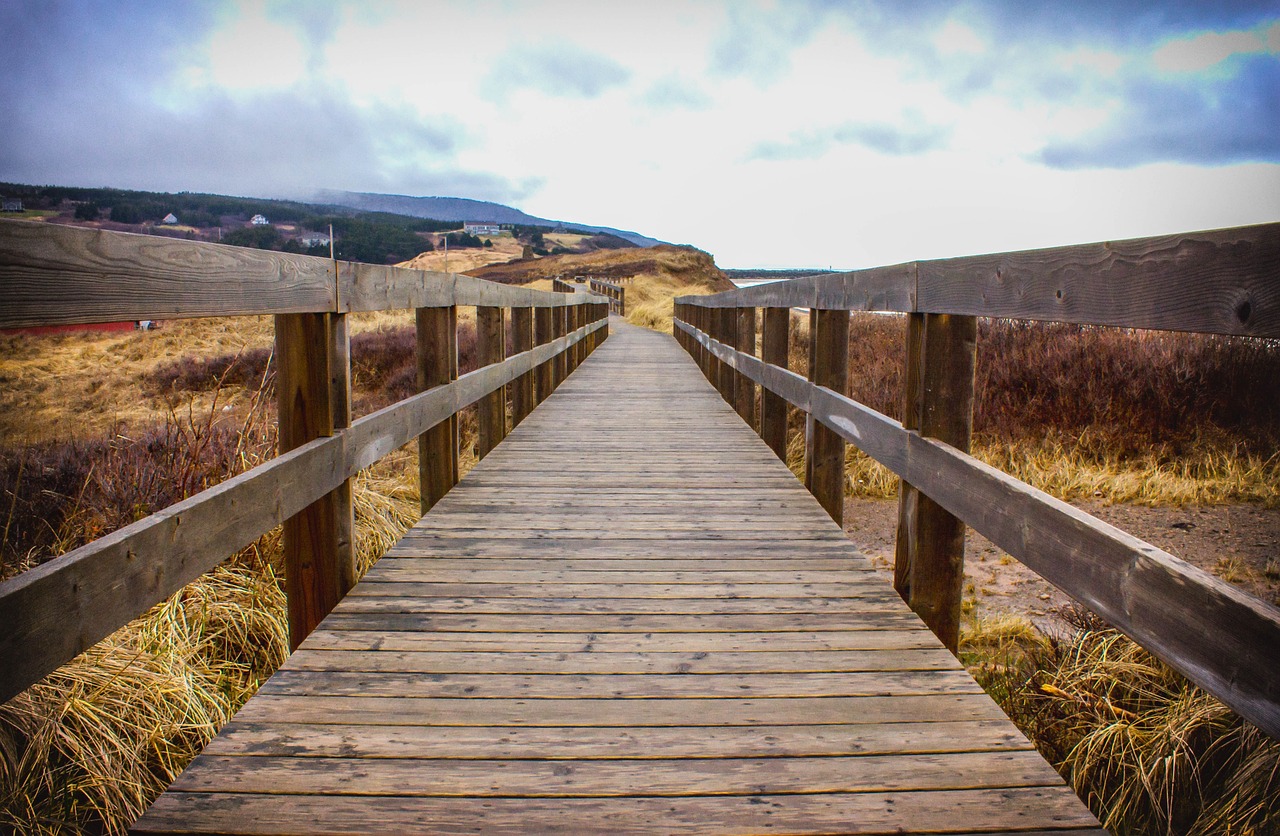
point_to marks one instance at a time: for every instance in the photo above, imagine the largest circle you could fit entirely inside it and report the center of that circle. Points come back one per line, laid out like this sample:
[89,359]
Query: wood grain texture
[1216,282]
[664,622]
[436,331]
[522,400]
[824,449]
[877,289]
[936,537]
[774,347]
[491,348]
[317,571]
[1224,640]
[56,275]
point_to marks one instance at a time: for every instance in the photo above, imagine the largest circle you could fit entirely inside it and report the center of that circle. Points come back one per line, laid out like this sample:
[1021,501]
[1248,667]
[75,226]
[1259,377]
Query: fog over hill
[459,209]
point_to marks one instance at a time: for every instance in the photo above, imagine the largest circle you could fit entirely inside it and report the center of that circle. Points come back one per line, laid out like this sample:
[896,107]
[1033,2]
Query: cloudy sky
[771,134]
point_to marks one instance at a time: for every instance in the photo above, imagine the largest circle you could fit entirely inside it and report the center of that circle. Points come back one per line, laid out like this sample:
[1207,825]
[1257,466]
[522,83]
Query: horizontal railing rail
[57,610]
[616,294]
[1216,282]
[1226,281]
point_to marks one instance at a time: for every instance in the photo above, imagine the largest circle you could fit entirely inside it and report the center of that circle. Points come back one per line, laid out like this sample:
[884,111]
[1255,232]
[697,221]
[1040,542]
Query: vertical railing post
[340,401]
[774,350]
[437,333]
[709,368]
[934,552]
[317,570]
[908,495]
[543,334]
[824,450]
[491,414]
[522,339]
[745,341]
[726,328]
[562,359]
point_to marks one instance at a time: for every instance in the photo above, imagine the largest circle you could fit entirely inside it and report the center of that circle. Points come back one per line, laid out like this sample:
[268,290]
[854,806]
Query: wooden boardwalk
[630,617]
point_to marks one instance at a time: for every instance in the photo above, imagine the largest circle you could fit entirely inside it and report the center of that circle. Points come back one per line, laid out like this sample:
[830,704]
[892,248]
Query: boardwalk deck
[630,617]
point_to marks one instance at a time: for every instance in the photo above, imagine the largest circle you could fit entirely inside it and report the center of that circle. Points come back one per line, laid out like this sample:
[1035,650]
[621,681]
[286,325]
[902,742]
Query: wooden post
[491,413]
[340,399]
[726,326]
[824,450]
[522,338]
[437,365]
[562,359]
[745,341]
[774,351]
[935,539]
[575,322]
[316,570]
[908,495]
[543,334]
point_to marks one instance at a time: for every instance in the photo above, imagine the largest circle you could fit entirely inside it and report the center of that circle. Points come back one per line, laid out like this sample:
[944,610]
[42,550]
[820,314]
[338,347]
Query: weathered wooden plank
[560,743]
[409,777]
[1217,282]
[989,811]
[878,289]
[412,711]
[491,347]
[315,577]
[901,638]
[654,661]
[522,400]
[57,275]
[378,287]
[437,362]
[936,538]
[1219,637]
[774,349]
[334,683]
[824,449]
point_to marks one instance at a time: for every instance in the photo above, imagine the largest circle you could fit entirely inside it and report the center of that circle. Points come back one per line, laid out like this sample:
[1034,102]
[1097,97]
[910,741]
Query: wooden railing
[616,294]
[52,275]
[1220,282]
[559,285]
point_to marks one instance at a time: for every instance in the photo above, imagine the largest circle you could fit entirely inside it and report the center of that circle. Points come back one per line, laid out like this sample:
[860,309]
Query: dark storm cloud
[1231,121]
[87,102]
[557,69]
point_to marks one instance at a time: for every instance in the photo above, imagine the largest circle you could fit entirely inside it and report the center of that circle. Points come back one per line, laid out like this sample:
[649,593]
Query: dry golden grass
[505,248]
[1148,751]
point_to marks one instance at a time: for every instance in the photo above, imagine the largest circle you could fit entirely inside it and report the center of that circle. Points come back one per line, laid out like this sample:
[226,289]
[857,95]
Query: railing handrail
[57,610]
[1224,281]
[104,276]
[1221,638]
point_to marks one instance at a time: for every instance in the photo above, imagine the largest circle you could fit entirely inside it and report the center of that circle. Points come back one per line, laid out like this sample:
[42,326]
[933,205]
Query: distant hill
[460,209]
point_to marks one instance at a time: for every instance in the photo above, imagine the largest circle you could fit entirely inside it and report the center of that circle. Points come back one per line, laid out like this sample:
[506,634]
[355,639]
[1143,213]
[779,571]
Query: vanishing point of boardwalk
[630,617]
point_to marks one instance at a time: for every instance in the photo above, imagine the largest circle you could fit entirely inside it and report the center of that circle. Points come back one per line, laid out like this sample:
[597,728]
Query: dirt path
[1239,543]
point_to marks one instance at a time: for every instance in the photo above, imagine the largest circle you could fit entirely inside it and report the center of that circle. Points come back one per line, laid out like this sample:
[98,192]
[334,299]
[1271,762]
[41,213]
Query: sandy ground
[1239,543]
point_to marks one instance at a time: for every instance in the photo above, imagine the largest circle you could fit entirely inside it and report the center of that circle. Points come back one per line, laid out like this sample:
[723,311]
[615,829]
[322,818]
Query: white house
[259,220]
[12,204]
[314,239]
[480,228]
